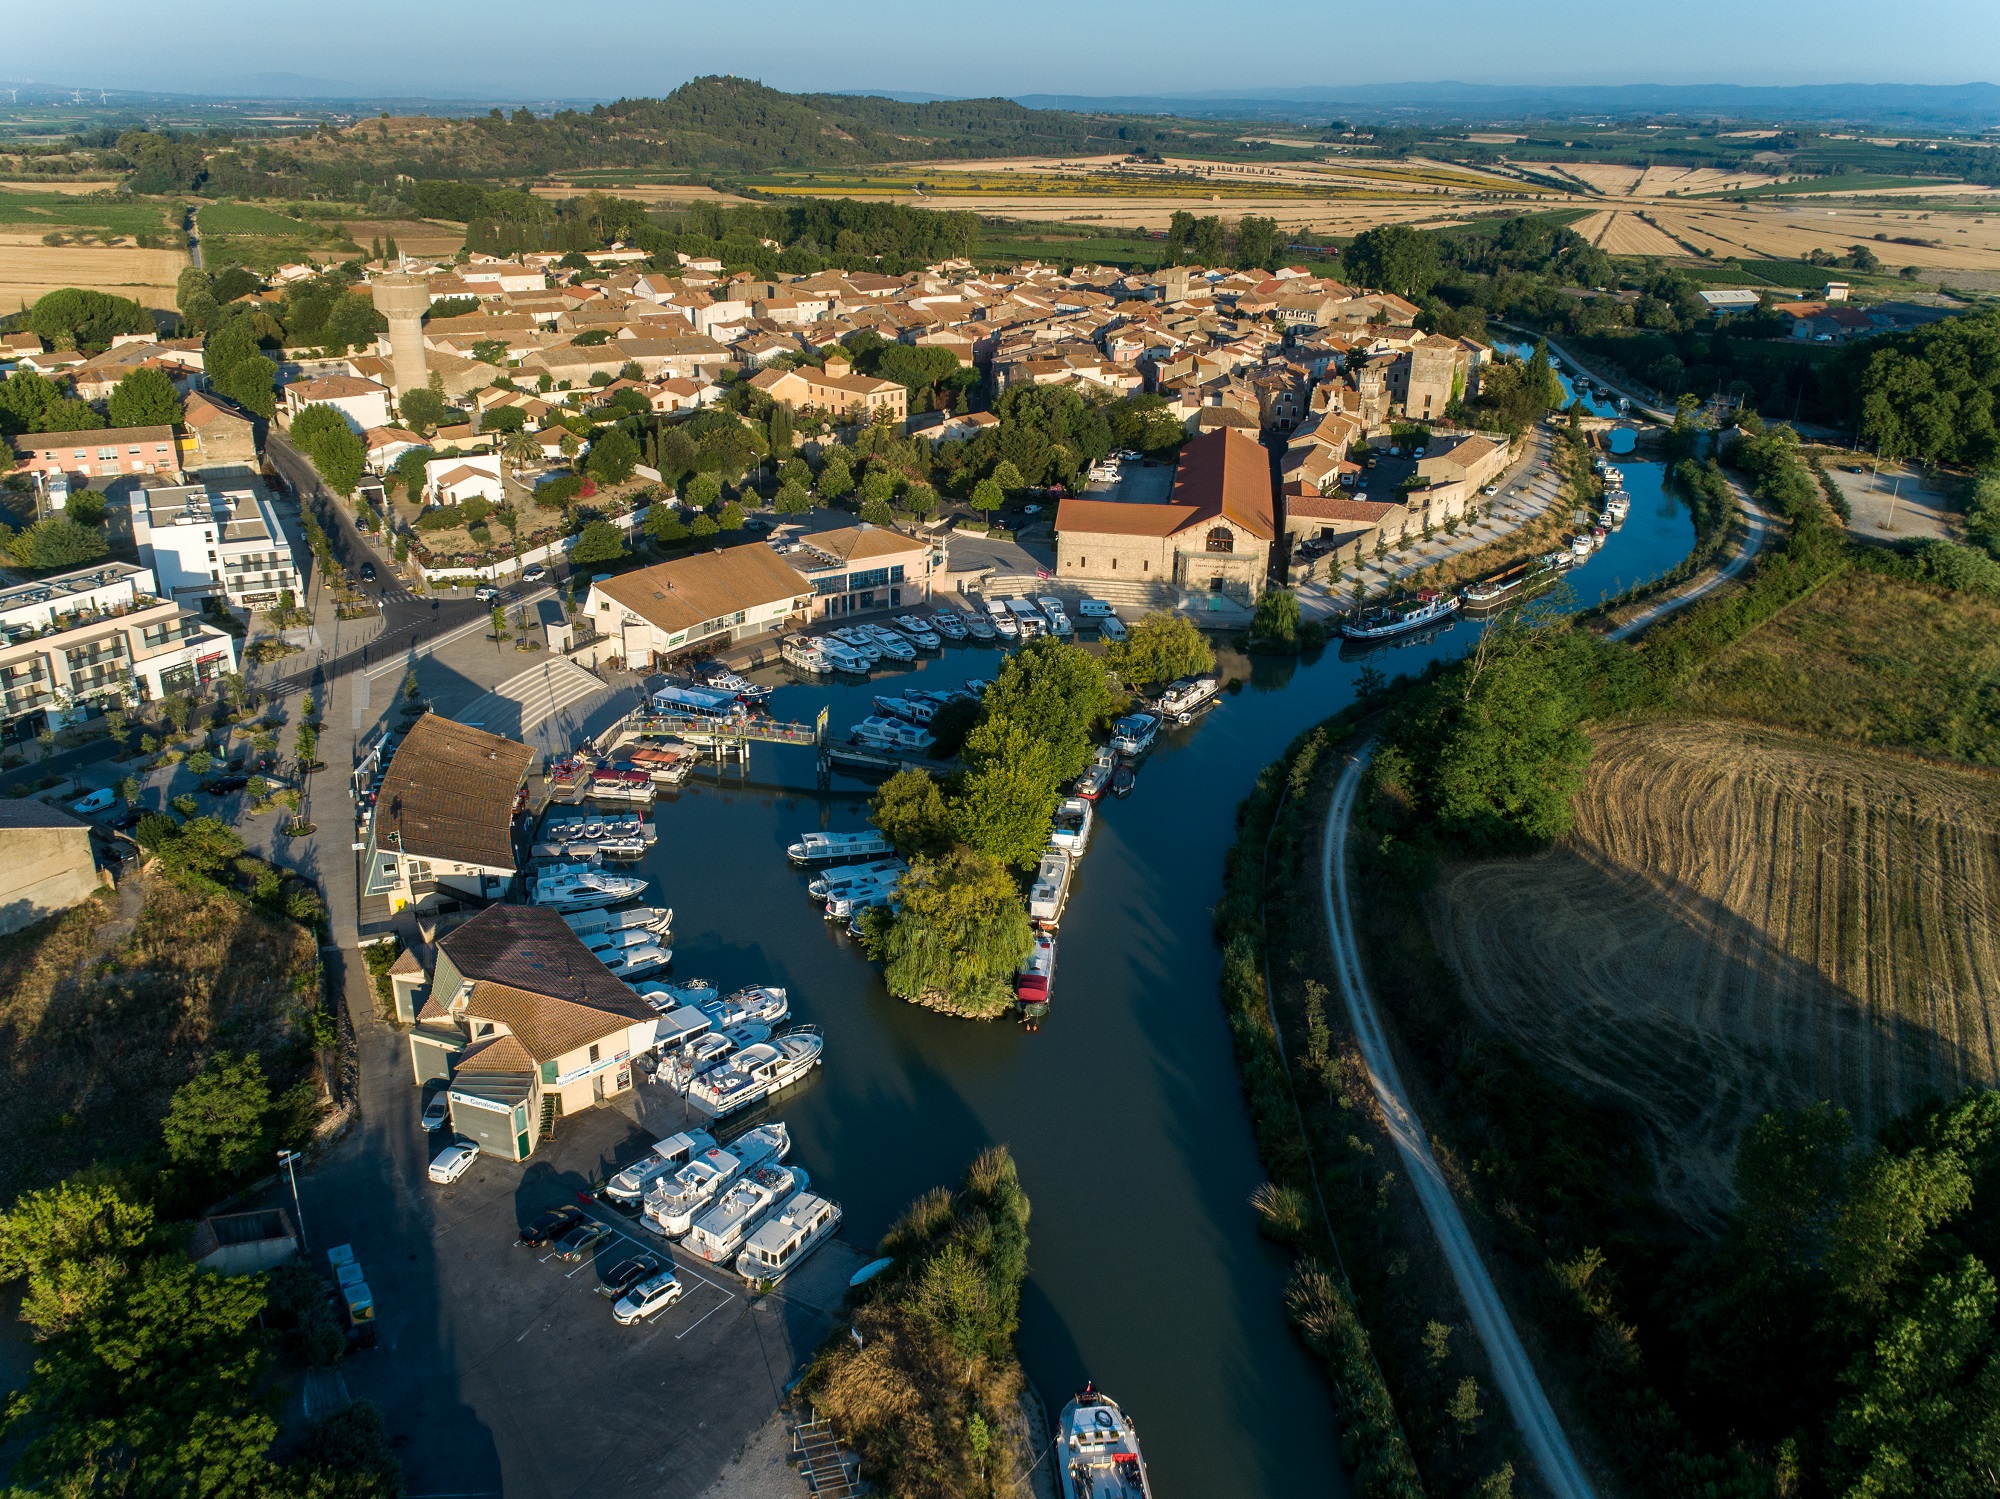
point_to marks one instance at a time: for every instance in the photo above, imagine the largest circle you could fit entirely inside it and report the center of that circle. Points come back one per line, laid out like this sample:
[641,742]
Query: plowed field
[1741,920]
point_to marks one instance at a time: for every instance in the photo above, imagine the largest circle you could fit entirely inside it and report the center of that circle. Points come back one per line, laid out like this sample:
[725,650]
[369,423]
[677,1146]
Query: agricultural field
[1625,233]
[1744,919]
[29,271]
[1871,660]
[99,246]
[263,240]
[83,215]
[412,236]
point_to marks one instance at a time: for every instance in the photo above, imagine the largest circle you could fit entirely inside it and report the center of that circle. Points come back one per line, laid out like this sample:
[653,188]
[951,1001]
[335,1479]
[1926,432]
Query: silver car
[647,1297]
[436,1112]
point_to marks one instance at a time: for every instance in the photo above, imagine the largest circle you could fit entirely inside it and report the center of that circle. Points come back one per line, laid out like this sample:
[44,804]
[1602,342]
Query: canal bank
[1124,1112]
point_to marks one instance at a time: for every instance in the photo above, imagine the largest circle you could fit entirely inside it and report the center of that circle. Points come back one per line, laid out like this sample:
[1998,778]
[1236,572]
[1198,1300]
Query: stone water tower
[404,300]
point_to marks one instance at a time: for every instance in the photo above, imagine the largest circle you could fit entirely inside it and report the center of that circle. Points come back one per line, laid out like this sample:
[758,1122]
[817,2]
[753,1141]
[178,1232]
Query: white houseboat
[801,1225]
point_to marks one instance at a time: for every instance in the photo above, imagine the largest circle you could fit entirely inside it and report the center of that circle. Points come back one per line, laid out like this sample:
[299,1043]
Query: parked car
[436,1112]
[550,1227]
[97,801]
[454,1161]
[575,1246]
[125,821]
[368,572]
[628,1273]
[224,785]
[646,1298]
[534,574]
[486,593]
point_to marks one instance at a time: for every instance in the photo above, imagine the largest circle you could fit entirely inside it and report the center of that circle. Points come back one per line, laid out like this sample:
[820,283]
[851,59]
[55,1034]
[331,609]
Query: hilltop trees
[1393,258]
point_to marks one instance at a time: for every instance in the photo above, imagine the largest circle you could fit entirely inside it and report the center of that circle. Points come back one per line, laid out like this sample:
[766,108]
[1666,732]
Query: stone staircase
[1120,594]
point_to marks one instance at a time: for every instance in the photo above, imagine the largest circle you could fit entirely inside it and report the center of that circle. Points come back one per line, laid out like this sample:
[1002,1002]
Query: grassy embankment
[104,1017]
[929,1395]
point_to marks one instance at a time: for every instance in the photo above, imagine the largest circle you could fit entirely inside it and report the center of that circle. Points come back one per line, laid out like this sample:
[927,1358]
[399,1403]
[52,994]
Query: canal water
[1123,1111]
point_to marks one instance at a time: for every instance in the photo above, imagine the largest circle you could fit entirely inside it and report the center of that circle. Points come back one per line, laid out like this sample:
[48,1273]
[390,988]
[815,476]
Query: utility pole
[288,1159]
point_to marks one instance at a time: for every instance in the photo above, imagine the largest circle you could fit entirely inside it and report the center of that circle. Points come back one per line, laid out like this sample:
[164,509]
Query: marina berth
[802,1223]
[658,919]
[666,767]
[979,627]
[888,643]
[1001,618]
[754,1196]
[1097,1449]
[819,850]
[949,623]
[1385,620]
[711,1049]
[666,1155]
[1050,892]
[1093,782]
[804,652]
[913,708]
[758,1072]
[632,962]
[859,641]
[920,632]
[672,1203]
[851,900]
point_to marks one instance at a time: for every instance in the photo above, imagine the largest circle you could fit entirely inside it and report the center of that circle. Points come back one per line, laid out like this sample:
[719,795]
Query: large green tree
[599,542]
[1009,795]
[56,543]
[911,812]
[145,398]
[236,366]
[1158,649]
[216,1121]
[34,403]
[1056,691]
[322,434]
[1393,258]
[87,320]
[959,936]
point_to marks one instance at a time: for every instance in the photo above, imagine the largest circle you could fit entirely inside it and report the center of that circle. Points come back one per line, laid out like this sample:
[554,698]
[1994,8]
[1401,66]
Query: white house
[362,402]
[200,540]
[453,481]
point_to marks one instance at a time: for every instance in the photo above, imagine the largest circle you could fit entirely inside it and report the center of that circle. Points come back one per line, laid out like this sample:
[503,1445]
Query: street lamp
[288,1159]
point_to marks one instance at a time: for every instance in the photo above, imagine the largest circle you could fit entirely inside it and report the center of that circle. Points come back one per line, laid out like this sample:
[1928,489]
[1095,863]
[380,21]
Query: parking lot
[492,1357]
[1139,483]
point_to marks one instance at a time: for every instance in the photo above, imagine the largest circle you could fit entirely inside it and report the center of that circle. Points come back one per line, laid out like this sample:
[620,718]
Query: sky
[529,49]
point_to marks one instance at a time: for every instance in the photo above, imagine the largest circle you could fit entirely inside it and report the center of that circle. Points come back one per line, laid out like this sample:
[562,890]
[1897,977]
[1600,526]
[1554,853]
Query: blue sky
[613,47]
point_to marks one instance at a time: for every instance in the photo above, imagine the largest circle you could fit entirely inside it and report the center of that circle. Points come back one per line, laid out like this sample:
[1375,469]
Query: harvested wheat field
[1743,920]
[108,1008]
[27,271]
[1625,234]
[413,236]
[1949,241]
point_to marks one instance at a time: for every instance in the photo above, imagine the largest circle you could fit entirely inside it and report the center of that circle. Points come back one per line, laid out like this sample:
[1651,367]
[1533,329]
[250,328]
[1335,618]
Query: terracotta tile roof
[103,437]
[859,543]
[501,1054]
[1336,507]
[532,950]
[550,1027]
[681,594]
[1111,518]
[449,794]
[1228,473]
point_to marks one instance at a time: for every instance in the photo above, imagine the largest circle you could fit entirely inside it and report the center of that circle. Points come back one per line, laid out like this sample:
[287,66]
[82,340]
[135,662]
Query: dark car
[123,821]
[628,1273]
[368,572]
[551,1228]
[224,785]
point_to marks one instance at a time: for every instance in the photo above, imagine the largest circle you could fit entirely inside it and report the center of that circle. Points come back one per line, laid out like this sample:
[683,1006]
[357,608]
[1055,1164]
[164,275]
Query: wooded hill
[708,124]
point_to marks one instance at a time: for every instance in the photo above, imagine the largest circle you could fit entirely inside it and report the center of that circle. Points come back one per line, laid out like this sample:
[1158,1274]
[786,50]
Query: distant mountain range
[1944,106]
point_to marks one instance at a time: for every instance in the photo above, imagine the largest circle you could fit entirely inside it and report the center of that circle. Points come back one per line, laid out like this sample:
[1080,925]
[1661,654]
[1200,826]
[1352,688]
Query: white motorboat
[1580,545]
[754,1196]
[843,657]
[757,1072]
[666,1155]
[1001,618]
[1132,735]
[1036,977]
[949,623]
[633,919]
[711,1049]
[1092,783]
[801,1224]
[1617,507]
[673,1203]
[977,686]
[1050,892]
[920,631]
[1181,699]
[889,643]
[1097,1451]
[760,1003]
[1072,826]
[630,962]
[804,652]
[911,708]
[850,900]
[573,888]
[979,627]
[893,734]
[836,880]
[610,942]
[817,850]
[1058,618]
[859,641]
[1385,620]
[689,994]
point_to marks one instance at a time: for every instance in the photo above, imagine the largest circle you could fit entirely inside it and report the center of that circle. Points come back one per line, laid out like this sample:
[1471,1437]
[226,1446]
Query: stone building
[1213,535]
[46,864]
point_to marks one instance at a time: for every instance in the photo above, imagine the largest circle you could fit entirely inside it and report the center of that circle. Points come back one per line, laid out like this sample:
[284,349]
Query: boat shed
[444,815]
[527,1025]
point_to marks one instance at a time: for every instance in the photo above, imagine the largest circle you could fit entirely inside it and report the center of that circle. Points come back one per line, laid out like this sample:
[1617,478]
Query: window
[896,573]
[604,606]
[107,455]
[1222,539]
[593,1052]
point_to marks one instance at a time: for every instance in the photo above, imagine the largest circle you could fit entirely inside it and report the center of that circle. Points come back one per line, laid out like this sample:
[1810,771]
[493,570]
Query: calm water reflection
[1124,1110]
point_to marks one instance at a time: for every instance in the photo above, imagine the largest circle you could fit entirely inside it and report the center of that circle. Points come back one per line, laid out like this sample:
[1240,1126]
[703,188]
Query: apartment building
[203,539]
[84,641]
[709,598]
[110,453]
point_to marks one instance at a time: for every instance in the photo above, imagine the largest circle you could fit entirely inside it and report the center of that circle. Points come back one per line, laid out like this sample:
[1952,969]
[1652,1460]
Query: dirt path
[1757,522]
[1512,1372]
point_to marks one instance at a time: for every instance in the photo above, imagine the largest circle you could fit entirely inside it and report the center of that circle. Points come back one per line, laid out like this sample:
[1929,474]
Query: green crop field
[57,211]
[247,219]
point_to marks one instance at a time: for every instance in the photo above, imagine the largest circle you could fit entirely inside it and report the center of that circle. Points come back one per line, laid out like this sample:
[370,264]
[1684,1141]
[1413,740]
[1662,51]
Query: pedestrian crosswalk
[550,701]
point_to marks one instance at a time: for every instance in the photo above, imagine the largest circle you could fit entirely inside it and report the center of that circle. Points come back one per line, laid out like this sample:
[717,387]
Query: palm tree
[520,449]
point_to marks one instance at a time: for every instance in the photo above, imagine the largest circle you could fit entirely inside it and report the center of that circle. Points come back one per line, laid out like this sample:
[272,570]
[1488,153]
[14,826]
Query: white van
[1111,627]
[1092,608]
